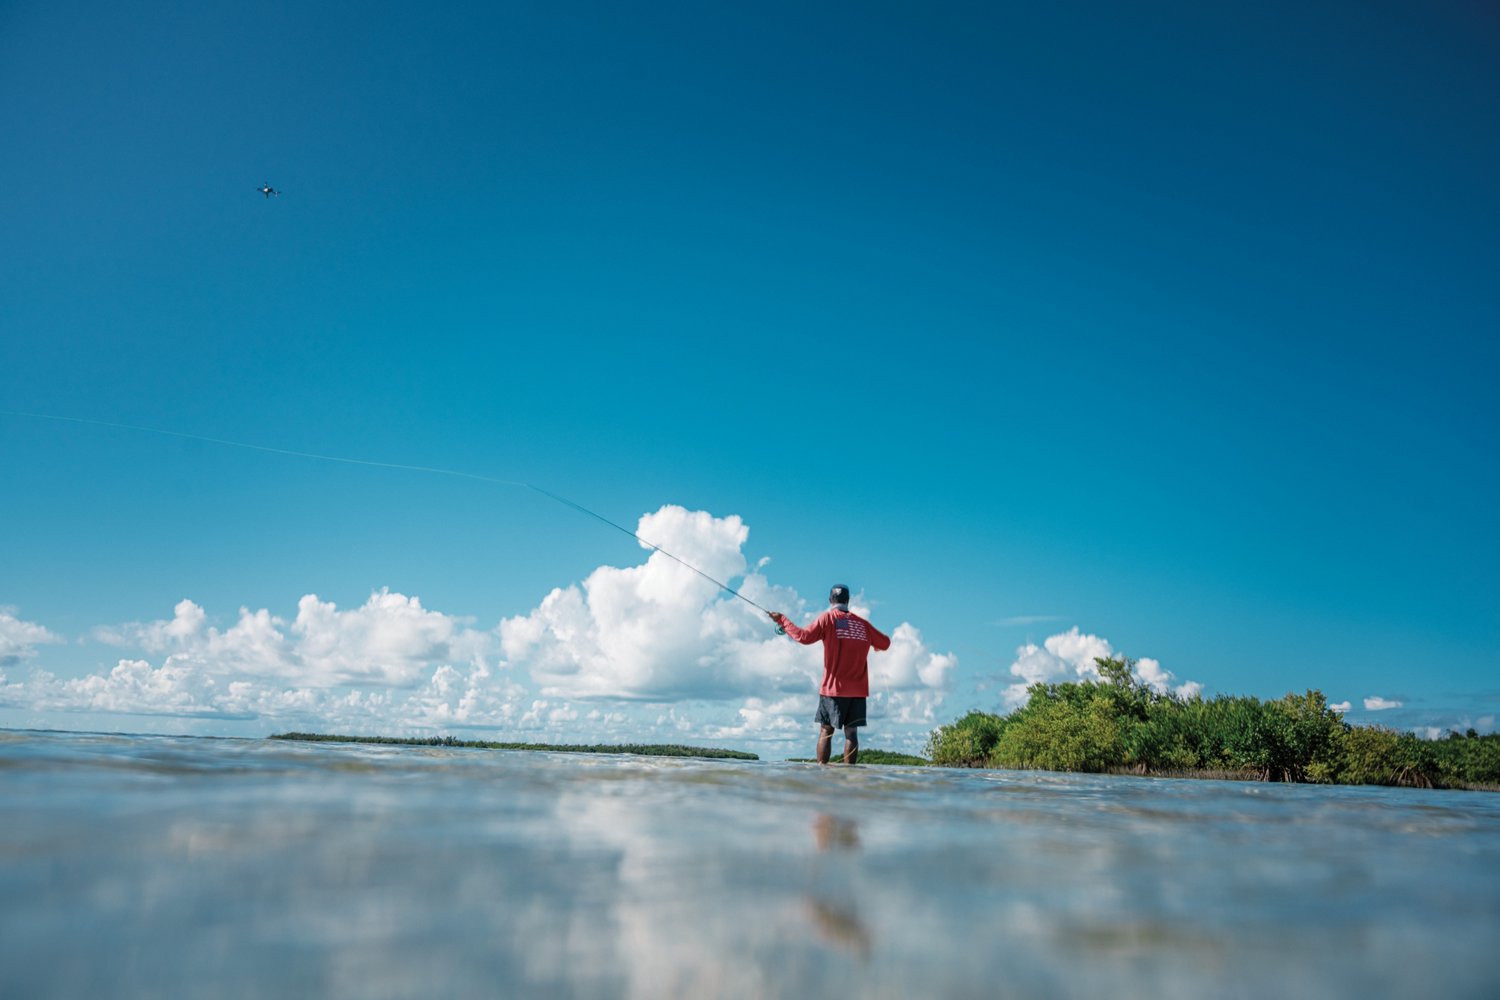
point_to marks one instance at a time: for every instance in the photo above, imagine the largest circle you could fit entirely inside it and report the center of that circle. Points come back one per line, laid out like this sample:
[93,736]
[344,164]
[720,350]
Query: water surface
[164,866]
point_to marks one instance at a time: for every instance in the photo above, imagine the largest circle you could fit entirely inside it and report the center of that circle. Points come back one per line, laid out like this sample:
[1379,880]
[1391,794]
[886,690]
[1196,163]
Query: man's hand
[776,616]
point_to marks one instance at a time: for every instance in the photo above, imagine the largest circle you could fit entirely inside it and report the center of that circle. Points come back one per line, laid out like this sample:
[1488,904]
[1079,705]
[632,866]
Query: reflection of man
[834,834]
[837,919]
[846,639]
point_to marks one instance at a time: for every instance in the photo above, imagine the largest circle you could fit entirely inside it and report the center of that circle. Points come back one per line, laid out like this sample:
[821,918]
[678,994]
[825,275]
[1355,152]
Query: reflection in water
[835,834]
[840,927]
[833,913]
[158,866]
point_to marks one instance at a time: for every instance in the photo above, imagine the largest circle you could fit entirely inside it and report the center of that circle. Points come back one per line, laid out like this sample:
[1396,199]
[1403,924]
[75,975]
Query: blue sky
[1173,325]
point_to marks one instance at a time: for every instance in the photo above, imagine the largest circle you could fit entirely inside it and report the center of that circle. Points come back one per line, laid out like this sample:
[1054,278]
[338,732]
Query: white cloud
[1066,656]
[1151,672]
[1160,680]
[389,661]
[391,641]
[909,665]
[1341,707]
[766,720]
[19,639]
[658,630]
[908,682]
[1070,656]
[450,698]
[478,697]
[135,687]
[187,621]
[1375,703]
[1456,723]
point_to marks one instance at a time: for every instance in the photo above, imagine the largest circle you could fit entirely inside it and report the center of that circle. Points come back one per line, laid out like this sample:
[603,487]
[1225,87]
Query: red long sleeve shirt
[847,639]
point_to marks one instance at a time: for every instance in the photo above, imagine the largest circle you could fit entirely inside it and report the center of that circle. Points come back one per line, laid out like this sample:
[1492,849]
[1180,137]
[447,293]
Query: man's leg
[825,743]
[851,744]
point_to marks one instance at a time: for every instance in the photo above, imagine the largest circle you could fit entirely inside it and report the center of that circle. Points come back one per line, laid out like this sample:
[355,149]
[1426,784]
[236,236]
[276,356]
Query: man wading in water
[847,639]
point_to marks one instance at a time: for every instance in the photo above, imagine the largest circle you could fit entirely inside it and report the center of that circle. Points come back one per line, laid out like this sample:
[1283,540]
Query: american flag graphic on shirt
[850,628]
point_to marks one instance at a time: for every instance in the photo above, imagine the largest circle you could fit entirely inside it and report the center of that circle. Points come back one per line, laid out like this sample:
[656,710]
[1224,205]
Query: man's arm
[878,639]
[806,636]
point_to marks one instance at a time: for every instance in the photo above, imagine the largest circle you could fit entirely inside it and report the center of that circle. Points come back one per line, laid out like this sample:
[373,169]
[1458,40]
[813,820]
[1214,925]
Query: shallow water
[164,866]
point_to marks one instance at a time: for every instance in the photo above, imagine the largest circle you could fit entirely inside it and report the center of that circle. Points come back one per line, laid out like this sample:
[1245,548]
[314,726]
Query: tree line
[643,749]
[1120,724]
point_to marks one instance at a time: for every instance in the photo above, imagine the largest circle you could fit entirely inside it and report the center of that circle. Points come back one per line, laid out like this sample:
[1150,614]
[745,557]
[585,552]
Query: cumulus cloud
[909,681]
[760,720]
[655,631]
[389,659]
[450,698]
[188,620]
[19,639]
[1160,680]
[1070,656]
[1375,703]
[1437,725]
[1341,707]
[1066,656]
[391,641]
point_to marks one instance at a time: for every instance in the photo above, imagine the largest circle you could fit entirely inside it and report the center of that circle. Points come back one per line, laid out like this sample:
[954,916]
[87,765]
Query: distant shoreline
[639,749]
[872,756]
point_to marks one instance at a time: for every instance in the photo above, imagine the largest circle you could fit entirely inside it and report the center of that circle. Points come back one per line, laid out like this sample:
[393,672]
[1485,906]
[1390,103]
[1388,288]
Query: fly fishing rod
[431,470]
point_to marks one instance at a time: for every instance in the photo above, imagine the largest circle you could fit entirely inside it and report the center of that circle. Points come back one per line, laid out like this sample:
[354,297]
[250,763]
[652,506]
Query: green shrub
[1120,723]
[1468,759]
[967,742]
[1064,727]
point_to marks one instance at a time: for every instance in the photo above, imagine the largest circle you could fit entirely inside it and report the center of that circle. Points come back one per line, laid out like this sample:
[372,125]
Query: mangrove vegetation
[871,756]
[1119,724]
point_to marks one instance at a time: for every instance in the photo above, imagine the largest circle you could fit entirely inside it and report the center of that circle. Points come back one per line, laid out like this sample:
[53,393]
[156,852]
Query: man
[846,639]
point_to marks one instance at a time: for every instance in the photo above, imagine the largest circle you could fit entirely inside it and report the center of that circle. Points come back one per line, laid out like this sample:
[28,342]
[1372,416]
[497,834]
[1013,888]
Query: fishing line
[392,465]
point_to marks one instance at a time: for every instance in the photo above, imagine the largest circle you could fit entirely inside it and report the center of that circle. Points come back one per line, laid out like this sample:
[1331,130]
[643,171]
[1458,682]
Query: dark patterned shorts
[840,713]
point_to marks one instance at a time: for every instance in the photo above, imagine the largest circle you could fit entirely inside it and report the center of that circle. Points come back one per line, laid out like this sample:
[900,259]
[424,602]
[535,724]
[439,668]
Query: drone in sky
[267,190]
